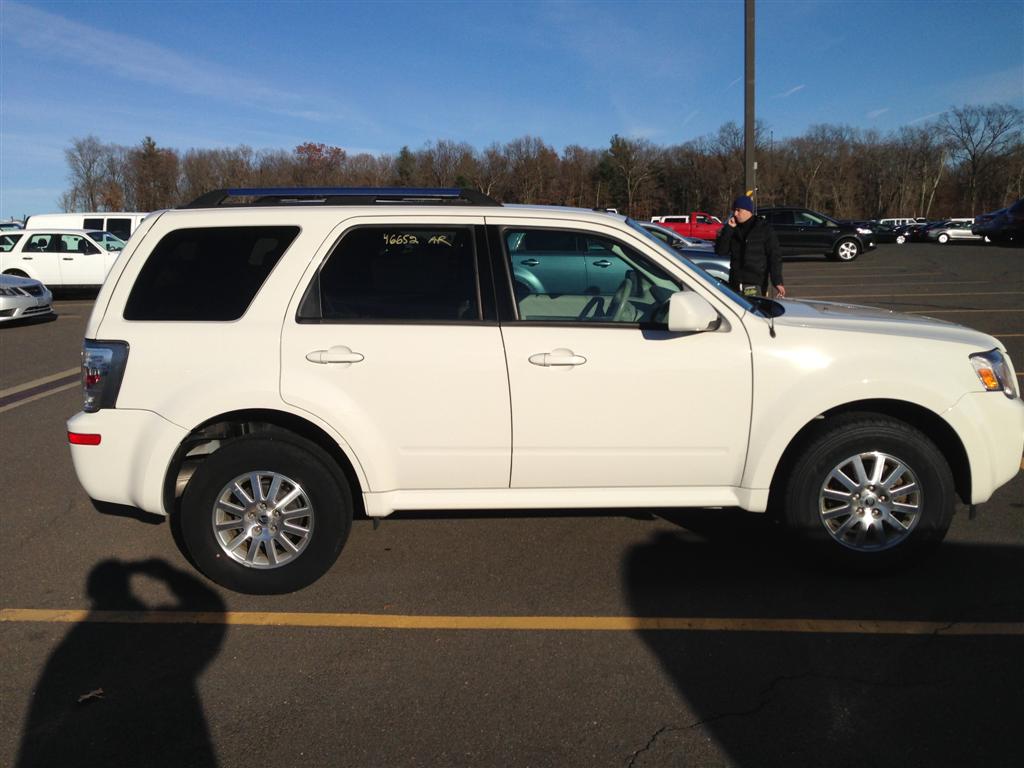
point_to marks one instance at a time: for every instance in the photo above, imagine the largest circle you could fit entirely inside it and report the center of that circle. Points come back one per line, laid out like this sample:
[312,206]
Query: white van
[116,222]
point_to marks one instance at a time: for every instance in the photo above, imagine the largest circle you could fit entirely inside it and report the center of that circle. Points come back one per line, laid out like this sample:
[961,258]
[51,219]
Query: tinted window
[808,219]
[206,274]
[401,273]
[120,227]
[7,242]
[93,224]
[780,217]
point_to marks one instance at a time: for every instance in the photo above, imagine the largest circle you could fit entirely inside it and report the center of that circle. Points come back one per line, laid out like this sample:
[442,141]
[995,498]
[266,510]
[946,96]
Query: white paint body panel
[455,417]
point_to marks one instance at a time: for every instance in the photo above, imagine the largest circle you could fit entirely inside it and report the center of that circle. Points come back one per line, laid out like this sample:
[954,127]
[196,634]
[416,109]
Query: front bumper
[23,307]
[130,464]
[991,427]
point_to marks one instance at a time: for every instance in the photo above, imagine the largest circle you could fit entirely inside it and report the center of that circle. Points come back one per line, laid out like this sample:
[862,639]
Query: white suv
[265,363]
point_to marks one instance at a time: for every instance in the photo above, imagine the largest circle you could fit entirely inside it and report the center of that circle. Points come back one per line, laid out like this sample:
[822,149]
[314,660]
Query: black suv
[801,231]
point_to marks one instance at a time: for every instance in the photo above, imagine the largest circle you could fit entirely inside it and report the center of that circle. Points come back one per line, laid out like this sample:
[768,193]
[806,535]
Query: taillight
[103,364]
[81,438]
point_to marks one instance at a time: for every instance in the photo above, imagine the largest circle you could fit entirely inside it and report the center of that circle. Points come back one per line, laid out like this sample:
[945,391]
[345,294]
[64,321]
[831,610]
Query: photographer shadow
[120,690]
[835,690]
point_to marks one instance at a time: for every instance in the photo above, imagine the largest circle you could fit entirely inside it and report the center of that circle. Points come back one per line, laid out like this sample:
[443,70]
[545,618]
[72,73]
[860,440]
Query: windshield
[108,241]
[719,286]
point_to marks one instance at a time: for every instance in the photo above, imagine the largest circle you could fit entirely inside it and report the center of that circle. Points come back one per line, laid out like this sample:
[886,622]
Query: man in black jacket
[753,251]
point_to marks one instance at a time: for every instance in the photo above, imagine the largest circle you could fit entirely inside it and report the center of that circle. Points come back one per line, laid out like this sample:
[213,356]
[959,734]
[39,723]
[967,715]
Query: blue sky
[374,76]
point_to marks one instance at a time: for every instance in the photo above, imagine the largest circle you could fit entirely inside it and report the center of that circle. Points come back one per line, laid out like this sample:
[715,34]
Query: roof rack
[339,196]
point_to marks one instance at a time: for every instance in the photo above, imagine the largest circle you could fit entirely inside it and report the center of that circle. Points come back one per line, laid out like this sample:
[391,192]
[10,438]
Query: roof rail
[339,196]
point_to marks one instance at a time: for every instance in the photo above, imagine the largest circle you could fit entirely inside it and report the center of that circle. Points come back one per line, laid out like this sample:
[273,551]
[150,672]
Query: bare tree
[978,134]
[86,160]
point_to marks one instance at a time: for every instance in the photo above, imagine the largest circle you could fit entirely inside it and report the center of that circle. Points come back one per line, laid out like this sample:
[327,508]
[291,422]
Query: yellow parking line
[514,623]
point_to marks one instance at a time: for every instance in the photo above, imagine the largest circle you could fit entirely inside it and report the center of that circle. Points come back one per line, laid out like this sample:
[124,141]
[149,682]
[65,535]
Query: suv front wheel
[869,492]
[847,250]
[265,516]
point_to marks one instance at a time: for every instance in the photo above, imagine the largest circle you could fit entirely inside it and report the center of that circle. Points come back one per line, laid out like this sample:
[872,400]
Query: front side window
[207,273]
[808,219]
[75,244]
[395,273]
[572,276]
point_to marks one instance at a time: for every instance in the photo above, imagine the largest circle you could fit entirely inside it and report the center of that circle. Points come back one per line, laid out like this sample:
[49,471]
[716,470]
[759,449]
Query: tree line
[964,162]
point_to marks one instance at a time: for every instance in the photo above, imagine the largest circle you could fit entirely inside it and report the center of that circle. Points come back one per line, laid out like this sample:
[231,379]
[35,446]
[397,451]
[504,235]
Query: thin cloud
[877,113]
[737,80]
[51,35]
[791,91]
[924,117]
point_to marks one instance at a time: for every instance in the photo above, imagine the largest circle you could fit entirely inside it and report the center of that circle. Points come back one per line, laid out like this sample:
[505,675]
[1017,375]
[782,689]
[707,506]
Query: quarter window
[399,273]
[572,276]
[7,242]
[209,273]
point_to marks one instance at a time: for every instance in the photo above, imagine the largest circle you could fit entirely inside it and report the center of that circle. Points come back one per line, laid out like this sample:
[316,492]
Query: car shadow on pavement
[125,694]
[790,698]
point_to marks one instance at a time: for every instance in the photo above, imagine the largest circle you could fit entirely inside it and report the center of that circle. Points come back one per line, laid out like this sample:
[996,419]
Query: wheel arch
[221,429]
[930,423]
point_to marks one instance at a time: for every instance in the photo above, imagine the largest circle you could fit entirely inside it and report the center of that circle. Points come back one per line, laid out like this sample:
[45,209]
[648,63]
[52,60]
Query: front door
[604,397]
[81,262]
[395,344]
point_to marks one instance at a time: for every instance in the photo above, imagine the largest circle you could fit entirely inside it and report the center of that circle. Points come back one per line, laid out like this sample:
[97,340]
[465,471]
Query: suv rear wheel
[847,250]
[869,492]
[265,516]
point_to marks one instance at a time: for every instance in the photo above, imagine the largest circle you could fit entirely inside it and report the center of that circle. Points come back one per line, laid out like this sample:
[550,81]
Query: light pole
[749,163]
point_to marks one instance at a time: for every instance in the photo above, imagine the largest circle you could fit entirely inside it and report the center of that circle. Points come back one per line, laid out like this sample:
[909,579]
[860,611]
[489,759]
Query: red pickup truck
[695,224]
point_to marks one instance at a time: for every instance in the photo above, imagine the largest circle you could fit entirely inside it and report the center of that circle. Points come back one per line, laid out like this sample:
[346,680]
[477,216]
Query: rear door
[785,230]
[393,340]
[38,258]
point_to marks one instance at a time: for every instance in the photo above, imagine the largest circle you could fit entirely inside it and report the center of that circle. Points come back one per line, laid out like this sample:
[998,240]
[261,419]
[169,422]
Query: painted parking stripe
[916,293]
[36,382]
[957,311]
[515,623]
[18,402]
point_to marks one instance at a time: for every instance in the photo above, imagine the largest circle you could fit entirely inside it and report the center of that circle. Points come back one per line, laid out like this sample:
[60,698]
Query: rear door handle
[67,258]
[337,354]
[602,263]
[530,262]
[557,357]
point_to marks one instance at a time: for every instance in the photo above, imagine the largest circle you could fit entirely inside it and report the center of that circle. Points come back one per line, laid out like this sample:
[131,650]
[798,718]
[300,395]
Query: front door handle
[557,357]
[531,262]
[338,354]
[602,263]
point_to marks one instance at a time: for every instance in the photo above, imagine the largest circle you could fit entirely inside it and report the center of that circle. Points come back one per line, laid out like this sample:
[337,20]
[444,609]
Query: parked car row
[63,258]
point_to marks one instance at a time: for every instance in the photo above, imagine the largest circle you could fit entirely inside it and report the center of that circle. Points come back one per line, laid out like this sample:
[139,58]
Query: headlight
[864,231]
[994,372]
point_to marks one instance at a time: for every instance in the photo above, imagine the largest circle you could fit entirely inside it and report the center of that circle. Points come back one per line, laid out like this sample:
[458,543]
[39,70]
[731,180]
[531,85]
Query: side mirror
[688,312]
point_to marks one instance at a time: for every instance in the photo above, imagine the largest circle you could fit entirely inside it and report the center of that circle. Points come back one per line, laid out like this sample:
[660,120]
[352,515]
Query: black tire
[301,466]
[806,501]
[846,249]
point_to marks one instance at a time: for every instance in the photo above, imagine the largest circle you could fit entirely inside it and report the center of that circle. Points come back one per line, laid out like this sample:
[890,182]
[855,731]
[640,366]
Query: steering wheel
[619,302]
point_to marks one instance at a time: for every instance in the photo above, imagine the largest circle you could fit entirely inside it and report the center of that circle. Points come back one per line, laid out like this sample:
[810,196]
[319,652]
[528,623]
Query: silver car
[22,298]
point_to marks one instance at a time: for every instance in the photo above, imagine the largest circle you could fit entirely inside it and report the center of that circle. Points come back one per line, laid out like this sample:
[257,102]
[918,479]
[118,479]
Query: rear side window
[120,227]
[210,273]
[400,273]
[93,224]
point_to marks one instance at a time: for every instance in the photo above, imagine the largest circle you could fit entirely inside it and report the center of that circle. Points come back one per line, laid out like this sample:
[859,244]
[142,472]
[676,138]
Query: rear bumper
[130,464]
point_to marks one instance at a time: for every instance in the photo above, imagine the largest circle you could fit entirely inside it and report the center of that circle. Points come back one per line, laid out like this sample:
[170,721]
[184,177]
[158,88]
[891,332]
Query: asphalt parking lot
[561,639]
